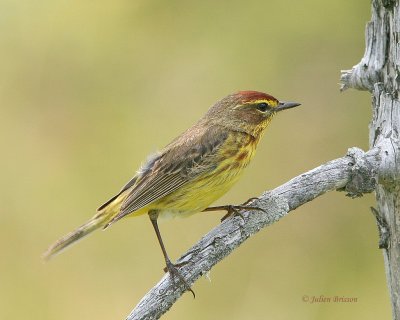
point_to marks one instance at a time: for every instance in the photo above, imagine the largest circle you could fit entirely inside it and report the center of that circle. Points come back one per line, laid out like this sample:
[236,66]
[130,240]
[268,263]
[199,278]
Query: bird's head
[248,111]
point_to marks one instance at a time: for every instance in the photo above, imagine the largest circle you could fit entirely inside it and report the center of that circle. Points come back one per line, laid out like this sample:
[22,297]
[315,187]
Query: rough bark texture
[354,173]
[378,73]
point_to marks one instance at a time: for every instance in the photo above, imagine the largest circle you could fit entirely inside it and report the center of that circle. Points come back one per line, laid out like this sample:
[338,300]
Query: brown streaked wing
[173,170]
[149,164]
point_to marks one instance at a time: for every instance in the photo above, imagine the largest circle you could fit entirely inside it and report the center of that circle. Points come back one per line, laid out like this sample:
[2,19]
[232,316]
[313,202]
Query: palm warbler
[191,172]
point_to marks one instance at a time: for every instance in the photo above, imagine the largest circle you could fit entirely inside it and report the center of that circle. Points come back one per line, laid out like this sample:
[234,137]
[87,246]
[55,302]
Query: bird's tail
[98,221]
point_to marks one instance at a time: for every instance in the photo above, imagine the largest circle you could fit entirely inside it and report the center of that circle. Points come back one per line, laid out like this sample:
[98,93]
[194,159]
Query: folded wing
[178,164]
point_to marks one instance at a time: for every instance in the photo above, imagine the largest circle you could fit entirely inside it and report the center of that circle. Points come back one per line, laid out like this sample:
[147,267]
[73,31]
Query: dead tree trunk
[379,73]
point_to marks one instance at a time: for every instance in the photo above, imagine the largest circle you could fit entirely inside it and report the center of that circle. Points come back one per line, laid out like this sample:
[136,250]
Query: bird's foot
[234,210]
[174,273]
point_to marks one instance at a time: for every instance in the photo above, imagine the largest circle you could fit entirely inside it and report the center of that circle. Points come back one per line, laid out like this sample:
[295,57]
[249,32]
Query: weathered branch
[375,67]
[379,73]
[355,173]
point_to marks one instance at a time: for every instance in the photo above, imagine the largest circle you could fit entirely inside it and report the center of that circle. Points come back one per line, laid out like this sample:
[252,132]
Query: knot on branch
[362,174]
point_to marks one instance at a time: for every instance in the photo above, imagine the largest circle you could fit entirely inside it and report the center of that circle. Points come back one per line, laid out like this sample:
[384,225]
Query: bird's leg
[170,267]
[234,209]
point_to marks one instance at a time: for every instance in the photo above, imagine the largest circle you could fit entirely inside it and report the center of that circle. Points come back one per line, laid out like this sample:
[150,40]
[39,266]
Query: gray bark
[354,174]
[378,73]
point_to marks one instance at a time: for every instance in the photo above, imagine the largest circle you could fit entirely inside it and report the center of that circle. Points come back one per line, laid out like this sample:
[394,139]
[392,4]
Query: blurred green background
[89,88]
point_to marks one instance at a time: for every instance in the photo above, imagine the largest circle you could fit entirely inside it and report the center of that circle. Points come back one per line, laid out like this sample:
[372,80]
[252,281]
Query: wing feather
[150,162]
[177,165]
[156,190]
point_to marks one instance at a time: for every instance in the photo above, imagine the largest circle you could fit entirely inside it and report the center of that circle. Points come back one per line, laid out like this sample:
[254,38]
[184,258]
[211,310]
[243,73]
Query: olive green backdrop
[89,88]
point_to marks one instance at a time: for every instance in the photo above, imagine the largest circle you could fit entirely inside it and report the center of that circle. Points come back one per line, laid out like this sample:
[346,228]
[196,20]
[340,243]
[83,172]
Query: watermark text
[311,299]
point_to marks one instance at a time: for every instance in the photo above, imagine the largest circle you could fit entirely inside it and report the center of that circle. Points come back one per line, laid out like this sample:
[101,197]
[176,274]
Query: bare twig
[355,173]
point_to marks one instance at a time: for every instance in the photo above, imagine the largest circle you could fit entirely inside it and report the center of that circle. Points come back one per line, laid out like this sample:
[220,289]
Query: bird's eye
[263,106]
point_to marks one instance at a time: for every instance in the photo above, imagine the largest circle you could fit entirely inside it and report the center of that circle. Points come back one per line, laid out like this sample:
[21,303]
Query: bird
[192,171]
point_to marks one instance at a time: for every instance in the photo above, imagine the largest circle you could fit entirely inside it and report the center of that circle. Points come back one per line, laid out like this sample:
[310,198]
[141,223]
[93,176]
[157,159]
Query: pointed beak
[286,105]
